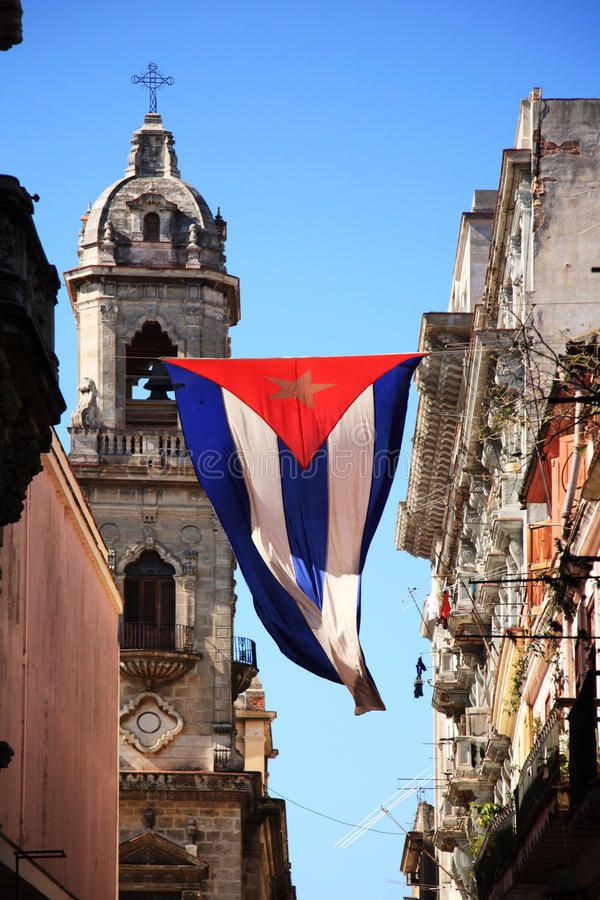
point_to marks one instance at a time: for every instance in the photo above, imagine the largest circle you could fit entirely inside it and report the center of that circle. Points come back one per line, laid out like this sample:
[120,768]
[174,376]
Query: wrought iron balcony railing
[243,665]
[497,850]
[539,784]
[145,636]
[222,759]
[244,651]
[540,772]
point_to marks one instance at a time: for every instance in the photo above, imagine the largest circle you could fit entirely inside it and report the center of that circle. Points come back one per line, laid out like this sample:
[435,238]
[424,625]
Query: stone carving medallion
[191,534]
[149,722]
[110,532]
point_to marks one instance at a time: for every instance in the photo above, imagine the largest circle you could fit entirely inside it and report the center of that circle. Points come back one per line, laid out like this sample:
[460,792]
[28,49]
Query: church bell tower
[152,282]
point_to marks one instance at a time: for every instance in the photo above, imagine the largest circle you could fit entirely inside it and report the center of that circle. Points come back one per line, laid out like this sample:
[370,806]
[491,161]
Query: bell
[159,382]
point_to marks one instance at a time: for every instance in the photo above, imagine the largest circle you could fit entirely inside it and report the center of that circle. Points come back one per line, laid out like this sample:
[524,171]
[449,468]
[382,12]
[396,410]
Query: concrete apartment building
[195,819]
[503,500]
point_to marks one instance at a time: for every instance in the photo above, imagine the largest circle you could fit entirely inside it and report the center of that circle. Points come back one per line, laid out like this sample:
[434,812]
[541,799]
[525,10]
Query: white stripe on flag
[350,459]
[256,444]
[335,629]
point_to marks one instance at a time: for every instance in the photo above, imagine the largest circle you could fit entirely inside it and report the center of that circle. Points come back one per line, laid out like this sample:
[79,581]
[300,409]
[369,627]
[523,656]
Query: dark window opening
[152,227]
[149,608]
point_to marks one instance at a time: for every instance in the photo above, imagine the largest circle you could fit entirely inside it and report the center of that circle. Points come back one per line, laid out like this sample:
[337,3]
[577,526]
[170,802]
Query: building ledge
[438,381]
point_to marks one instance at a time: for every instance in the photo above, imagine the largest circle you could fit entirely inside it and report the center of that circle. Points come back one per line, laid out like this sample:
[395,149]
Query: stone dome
[150,217]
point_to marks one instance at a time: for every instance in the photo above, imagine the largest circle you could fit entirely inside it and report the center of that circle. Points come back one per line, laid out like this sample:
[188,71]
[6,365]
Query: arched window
[149,609]
[148,344]
[152,227]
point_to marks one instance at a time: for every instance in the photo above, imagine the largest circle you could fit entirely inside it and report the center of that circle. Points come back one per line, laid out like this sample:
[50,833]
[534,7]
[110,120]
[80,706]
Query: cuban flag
[297,457]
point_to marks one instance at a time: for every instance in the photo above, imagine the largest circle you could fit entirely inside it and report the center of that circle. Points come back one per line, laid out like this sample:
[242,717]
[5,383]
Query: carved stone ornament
[87,414]
[509,371]
[151,666]
[193,248]
[467,553]
[152,861]
[108,244]
[515,260]
[191,534]
[108,313]
[514,557]
[490,456]
[193,316]
[110,532]
[149,722]
[190,562]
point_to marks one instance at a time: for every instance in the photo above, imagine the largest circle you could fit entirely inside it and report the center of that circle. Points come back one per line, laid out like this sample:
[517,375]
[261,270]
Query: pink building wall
[59,670]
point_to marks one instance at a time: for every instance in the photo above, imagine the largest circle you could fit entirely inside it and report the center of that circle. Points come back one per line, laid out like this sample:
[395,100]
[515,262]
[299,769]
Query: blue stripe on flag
[390,398]
[214,457]
[305,505]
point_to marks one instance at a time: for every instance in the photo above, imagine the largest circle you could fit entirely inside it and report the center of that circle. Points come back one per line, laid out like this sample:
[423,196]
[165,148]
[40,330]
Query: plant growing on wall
[481,817]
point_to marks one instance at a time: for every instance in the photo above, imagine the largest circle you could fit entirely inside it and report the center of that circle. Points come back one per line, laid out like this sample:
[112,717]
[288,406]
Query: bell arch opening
[149,397]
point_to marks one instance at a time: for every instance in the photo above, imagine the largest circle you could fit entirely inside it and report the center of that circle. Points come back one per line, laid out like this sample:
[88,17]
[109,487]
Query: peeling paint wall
[566,189]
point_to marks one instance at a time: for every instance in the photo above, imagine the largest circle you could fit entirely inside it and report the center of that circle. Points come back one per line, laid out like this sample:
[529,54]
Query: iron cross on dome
[152,80]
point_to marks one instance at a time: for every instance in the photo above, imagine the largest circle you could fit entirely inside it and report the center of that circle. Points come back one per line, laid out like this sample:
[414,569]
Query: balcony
[499,846]
[451,830]
[549,837]
[469,624]
[243,665]
[222,759]
[454,679]
[541,773]
[466,783]
[526,841]
[152,652]
[496,752]
[142,447]
[226,757]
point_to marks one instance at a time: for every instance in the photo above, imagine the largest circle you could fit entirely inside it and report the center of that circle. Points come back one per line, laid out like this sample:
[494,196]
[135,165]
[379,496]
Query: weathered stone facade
[152,282]
[503,648]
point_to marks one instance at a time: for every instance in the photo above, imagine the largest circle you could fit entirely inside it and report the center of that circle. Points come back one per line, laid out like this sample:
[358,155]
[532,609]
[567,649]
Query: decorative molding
[132,553]
[149,722]
[151,666]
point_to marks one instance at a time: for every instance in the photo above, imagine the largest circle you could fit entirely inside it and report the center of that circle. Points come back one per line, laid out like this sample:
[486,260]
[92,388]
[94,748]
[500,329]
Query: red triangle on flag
[301,399]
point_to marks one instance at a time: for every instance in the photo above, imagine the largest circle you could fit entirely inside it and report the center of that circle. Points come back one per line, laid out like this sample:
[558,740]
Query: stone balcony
[451,831]
[438,380]
[160,449]
[466,782]
[454,679]
[496,752]
[156,653]
[469,624]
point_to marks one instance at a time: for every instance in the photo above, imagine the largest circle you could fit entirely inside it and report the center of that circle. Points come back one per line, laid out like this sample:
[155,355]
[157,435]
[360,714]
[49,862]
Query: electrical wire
[330,818]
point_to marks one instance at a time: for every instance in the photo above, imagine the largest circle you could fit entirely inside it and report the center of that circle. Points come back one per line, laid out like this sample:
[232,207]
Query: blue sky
[341,141]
